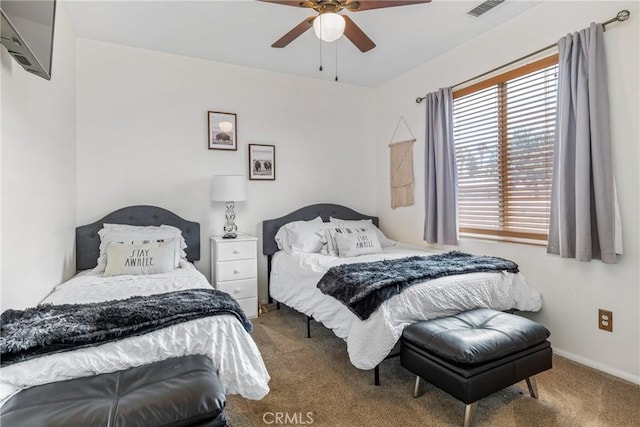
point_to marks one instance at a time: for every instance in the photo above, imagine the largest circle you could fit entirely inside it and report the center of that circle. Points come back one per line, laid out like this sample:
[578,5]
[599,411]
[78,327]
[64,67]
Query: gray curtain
[582,223]
[441,177]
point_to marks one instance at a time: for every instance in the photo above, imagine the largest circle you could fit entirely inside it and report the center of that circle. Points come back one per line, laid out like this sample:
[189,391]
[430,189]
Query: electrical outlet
[605,320]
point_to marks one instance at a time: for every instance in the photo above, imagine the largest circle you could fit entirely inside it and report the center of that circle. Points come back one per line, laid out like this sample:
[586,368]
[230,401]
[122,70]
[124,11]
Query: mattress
[294,278]
[222,338]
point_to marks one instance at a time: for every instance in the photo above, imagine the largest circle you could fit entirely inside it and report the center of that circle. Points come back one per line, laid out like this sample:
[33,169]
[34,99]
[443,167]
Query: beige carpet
[313,383]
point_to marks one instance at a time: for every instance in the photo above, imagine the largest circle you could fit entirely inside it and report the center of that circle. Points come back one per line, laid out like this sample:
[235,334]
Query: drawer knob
[236,271]
[236,291]
[236,252]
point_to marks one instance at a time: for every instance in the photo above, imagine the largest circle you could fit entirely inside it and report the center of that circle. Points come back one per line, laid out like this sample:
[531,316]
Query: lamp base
[230,228]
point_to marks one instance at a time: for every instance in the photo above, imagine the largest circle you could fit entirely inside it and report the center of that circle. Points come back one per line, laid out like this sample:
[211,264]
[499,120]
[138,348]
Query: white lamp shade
[329,27]
[229,188]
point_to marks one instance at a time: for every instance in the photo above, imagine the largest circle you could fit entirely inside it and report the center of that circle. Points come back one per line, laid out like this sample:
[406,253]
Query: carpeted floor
[313,383]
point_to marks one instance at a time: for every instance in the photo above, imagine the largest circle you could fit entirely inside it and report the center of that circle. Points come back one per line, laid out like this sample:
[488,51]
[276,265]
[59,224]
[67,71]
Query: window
[504,129]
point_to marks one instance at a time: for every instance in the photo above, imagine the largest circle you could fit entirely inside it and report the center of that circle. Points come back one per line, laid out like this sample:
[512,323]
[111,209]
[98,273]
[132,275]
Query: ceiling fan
[329,25]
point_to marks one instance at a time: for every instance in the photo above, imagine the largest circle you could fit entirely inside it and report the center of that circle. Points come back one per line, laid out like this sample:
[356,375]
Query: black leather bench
[476,353]
[177,392]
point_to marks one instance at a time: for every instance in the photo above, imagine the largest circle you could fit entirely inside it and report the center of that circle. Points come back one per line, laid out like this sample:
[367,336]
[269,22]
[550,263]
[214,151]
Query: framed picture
[223,131]
[262,162]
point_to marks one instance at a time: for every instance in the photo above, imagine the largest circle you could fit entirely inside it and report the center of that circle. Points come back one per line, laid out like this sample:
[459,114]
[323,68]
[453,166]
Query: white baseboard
[598,366]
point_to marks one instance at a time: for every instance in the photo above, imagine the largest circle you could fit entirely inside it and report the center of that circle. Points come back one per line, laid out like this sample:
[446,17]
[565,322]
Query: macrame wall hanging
[401,168]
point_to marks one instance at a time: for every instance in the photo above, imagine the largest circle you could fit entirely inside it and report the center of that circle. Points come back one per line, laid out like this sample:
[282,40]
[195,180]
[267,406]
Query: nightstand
[234,269]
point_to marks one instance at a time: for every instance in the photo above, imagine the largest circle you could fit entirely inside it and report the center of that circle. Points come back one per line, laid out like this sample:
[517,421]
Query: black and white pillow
[360,242]
[122,233]
[350,241]
[364,223]
[140,258]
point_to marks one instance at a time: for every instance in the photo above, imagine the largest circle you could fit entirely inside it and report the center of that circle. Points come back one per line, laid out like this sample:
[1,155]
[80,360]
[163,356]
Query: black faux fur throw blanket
[48,329]
[364,286]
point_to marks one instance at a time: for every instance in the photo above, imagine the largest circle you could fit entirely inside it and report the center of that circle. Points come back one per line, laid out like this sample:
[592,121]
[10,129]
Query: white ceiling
[242,31]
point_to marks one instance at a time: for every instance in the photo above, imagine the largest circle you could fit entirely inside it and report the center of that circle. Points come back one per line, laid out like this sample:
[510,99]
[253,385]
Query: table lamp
[229,189]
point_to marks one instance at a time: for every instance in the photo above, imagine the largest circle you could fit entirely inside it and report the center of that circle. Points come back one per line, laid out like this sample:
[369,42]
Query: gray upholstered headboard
[88,240]
[271,226]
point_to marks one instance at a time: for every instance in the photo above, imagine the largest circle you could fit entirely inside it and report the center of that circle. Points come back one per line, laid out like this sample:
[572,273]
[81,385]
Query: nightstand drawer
[249,306]
[240,288]
[236,250]
[236,270]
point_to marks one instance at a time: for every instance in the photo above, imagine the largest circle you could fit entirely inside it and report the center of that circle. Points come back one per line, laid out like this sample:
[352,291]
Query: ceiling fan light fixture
[329,26]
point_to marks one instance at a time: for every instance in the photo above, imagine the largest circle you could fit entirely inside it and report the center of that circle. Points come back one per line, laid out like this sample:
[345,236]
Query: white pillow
[140,258]
[357,243]
[139,234]
[366,223]
[301,236]
[148,229]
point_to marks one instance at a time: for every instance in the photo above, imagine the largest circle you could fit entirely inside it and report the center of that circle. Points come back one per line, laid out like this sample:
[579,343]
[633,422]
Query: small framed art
[223,131]
[262,162]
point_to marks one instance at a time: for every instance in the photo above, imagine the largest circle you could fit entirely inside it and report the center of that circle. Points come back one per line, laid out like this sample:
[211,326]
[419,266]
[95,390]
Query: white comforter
[234,353]
[294,279]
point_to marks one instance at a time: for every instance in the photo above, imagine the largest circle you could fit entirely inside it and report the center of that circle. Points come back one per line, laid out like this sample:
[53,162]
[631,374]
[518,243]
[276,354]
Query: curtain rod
[623,15]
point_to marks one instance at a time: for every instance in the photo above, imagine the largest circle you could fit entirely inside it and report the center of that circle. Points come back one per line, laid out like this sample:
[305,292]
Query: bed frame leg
[376,375]
[277,305]
[308,327]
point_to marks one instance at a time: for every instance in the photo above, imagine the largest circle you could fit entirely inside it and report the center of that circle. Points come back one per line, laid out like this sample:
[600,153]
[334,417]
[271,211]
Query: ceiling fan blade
[357,36]
[377,4]
[296,32]
[296,3]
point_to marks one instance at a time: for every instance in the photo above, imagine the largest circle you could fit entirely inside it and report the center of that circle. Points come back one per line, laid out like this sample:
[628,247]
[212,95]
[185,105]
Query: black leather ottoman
[476,353]
[182,391]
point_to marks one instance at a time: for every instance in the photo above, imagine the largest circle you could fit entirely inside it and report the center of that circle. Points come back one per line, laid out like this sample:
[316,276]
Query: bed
[293,280]
[222,338]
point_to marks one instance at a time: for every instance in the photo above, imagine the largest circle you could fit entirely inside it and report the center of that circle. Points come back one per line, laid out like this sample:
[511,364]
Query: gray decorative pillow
[140,258]
[351,242]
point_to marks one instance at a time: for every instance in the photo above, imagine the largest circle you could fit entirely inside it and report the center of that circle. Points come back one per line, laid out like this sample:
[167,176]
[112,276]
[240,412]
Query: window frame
[501,81]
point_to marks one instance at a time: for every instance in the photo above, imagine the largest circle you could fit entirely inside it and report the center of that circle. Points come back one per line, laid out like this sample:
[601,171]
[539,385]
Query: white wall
[142,138]
[38,174]
[572,292]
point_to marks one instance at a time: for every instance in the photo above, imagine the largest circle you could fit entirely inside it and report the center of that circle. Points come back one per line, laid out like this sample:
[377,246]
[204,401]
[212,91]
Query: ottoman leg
[533,387]
[469,410]
[416,388]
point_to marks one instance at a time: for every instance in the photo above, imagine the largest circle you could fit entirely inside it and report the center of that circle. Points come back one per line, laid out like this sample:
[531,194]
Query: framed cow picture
[223,131]
[262,162]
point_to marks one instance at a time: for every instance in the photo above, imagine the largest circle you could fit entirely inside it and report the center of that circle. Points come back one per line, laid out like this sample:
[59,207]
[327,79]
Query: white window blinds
[504,130]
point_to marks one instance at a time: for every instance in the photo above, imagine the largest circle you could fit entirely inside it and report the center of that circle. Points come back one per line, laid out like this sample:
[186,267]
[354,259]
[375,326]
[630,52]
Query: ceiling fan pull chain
[336,42]
[320,41]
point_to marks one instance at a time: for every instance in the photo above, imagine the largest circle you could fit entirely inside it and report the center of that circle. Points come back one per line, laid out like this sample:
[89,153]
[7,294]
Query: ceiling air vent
[484,7]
